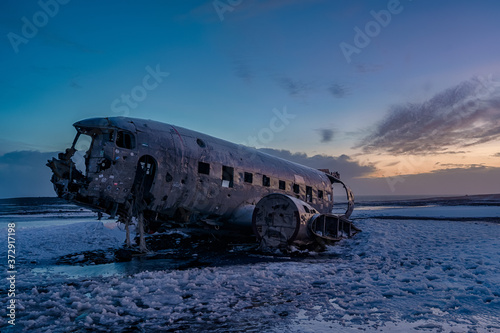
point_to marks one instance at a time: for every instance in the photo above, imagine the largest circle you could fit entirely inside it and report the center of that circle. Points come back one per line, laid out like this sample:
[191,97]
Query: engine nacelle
[280,220]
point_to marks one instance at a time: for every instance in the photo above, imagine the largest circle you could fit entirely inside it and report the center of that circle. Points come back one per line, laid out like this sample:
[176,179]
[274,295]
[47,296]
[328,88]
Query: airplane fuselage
[181,175]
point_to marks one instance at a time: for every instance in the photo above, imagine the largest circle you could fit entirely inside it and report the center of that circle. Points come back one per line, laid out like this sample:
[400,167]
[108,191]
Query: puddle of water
[135,266]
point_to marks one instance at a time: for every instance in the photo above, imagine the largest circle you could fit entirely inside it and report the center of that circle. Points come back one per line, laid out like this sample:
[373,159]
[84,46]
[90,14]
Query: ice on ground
[450,212]
[38,244]
[394,276]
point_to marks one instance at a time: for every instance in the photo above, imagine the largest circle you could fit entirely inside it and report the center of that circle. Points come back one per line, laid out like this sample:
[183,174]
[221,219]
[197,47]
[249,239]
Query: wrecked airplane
[163,174]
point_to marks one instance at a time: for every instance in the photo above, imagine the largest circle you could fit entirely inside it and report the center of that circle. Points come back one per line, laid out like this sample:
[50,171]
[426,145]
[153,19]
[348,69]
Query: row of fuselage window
[228,180]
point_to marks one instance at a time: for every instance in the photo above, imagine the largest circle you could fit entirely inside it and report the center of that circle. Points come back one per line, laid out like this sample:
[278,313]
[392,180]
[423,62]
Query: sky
[400,97]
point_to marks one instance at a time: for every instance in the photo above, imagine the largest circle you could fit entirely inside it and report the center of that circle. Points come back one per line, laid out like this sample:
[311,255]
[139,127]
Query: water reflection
[136,265]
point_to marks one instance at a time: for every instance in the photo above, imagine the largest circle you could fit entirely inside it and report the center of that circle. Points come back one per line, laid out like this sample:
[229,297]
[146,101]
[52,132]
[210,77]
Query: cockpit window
[125,139]
[82,145]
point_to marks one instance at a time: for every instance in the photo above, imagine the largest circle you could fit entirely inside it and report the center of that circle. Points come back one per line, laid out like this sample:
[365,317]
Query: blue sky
[417,101]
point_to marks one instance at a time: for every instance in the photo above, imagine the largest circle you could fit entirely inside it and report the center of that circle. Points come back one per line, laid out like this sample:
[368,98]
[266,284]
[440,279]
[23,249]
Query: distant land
[406,200]
[471,200]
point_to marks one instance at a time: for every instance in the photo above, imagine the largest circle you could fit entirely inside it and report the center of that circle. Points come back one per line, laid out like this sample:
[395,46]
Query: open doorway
[144,175]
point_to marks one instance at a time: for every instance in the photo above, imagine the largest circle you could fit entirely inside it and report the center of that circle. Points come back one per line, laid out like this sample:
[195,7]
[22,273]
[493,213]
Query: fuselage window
[248,177]
[266,181]
[309,193]
[203,168]
[227,176]
[282,185]
[201,143]
[320,194]
[296,188]
[125,140]
[168,177]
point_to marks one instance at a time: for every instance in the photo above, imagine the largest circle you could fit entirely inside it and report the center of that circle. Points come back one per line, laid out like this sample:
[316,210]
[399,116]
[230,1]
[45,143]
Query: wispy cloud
[242,69]
[455,152]
[73,84]
[392,164]
[338,90]
[473,180]
[496,155]
[301,87]
[462,116]
[294,87]
[344,164]
[326,134]
[461,166]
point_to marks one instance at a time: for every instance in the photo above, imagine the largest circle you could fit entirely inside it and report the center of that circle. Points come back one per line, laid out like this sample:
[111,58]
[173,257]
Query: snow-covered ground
[431,212]
[397,275]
